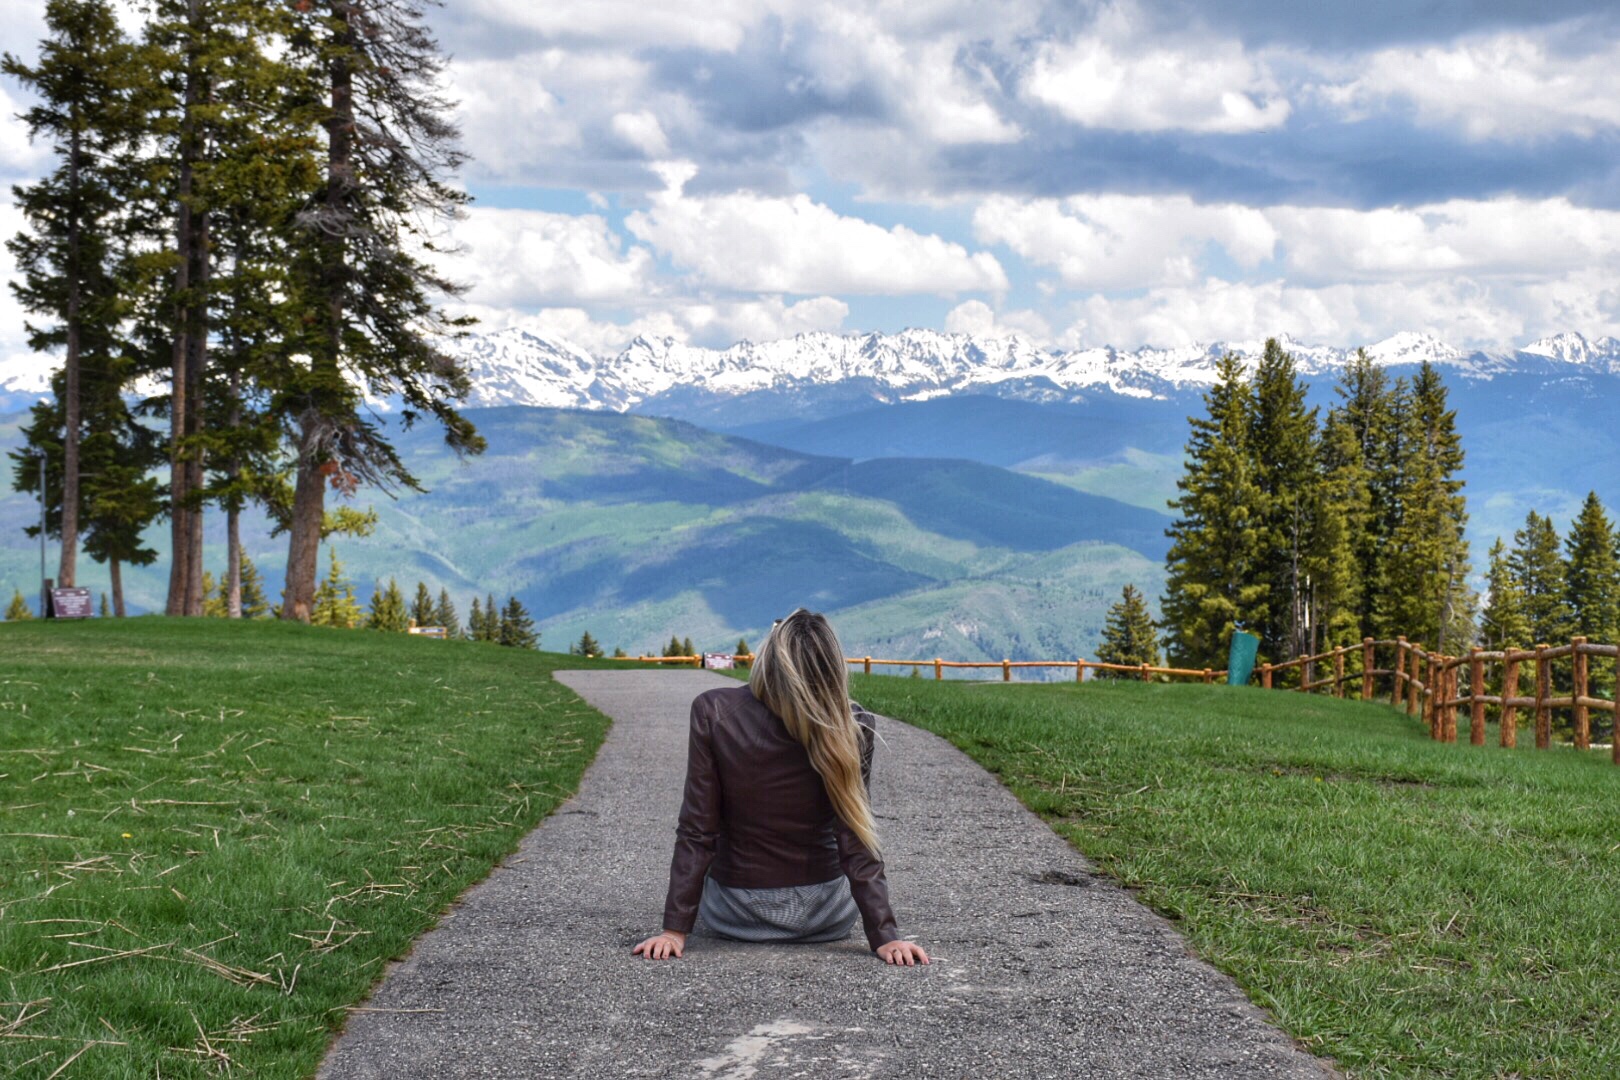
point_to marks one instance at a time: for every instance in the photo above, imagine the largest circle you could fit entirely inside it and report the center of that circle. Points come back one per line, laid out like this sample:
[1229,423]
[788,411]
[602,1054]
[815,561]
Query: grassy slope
[1407,907]
[292,802]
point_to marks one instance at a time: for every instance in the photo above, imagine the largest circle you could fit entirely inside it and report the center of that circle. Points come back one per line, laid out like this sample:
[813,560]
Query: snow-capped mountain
[812,372]
[513,367]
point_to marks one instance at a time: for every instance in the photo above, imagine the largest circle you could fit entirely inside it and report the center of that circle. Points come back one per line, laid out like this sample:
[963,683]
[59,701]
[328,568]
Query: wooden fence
[1079,666]
[1428,685]
[1435,687]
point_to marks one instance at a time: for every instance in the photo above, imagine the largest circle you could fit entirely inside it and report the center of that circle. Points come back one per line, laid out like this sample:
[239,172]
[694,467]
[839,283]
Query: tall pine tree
[1128,634]
[1539,569]
[1213,584]
[1592,588]
[1503,623]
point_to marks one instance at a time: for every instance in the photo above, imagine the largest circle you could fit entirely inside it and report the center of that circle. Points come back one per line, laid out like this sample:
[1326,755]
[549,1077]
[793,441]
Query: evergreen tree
[1539,569]
[492,619]
[214,599]
[687,648]
[250,594]
[516,628]
[335,603]
[422,609]
[475,623]
[445,615]
[1425,592]
[65,257]
[619,653]
[375,327]
[1593,585]
[1128,634]
[1503,623]
[106,607]
[586,646]
[1361,448]
[388,609]
[1211,584]
[742,647]
[18,609]
[674,647]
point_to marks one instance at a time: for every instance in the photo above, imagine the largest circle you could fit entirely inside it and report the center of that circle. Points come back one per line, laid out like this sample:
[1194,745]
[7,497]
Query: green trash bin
[1240,661]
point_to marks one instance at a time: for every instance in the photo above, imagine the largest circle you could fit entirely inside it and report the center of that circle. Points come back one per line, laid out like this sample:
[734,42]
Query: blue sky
[1081,173]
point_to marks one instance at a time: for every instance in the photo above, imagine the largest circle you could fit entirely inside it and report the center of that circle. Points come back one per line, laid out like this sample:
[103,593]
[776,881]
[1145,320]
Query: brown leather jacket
[756,815]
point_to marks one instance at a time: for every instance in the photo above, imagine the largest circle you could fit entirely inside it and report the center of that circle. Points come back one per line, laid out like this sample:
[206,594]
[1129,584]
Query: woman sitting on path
[776,840]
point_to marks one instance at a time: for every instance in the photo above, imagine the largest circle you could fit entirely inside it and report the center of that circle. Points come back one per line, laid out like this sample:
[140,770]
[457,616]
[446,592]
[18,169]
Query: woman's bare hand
[902,952]
[665,945]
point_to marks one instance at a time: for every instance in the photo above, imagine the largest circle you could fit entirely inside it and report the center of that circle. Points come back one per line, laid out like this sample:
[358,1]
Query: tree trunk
[68,568]
[116,570]
[233,510]
[314,449]
[185,572]
[196,362]
[304,546]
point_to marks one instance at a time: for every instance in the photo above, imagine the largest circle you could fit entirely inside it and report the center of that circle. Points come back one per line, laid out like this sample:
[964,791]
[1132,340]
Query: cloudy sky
[1153,172]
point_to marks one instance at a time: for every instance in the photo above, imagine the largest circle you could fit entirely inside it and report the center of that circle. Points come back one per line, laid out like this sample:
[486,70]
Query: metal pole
[42,461]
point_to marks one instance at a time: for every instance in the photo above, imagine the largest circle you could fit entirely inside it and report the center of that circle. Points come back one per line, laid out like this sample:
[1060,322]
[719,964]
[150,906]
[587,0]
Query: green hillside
[638,528]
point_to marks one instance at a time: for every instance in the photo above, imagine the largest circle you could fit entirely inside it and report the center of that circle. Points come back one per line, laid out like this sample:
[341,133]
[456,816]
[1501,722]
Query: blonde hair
[799,675]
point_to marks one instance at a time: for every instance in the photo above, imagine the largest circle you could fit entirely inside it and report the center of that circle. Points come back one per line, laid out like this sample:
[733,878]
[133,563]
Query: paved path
[1042,969]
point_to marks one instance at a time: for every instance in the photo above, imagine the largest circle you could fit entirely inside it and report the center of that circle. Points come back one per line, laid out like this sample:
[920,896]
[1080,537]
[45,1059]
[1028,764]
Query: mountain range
[943,495]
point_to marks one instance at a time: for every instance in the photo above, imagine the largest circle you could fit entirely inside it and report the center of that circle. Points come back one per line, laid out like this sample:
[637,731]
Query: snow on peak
[1408,347]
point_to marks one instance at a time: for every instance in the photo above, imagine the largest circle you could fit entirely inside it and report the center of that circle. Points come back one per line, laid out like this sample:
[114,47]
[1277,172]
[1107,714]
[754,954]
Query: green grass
[1406,907]
[214,835]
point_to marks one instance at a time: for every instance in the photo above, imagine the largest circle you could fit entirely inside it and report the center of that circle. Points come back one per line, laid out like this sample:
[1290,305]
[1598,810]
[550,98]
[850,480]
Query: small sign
[718,662]
[70,604]
[429,631]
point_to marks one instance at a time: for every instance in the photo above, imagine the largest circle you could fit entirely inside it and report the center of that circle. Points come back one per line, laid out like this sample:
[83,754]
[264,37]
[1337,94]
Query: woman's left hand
[904,953]
[662,946]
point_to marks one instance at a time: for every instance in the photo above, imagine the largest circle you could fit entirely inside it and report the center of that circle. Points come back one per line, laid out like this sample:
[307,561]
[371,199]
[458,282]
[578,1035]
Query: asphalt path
[1041,967]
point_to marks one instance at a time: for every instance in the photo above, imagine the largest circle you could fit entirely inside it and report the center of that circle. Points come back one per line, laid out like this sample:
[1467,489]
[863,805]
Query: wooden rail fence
[1428,685]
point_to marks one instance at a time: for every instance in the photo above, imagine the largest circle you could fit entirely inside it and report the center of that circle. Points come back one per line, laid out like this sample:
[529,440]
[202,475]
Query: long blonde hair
[799,675]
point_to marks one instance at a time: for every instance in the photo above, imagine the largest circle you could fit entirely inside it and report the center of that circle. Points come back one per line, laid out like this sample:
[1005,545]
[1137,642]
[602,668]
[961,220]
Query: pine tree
[516,628]
[1425,592]
[445,615]
[335,603]
[687,648]
[475,623]
[388,609]
[1503,623]
[674,647]
[106,607]
[251,593]
[492,619]
[1128,634]
[215,604]
[1539,569]
[422,607]
[1211,587]
[18,610]
[586,646]
[619,653]
[65,258]
[1360,449]
[1593,585]
[742,648]
[375,325]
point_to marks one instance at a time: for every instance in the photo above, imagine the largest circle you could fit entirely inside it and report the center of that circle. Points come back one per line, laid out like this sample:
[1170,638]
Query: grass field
[1406,907]
[213,836]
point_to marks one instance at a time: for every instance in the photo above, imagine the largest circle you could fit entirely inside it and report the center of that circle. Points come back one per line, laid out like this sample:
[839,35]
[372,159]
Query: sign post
[71,603]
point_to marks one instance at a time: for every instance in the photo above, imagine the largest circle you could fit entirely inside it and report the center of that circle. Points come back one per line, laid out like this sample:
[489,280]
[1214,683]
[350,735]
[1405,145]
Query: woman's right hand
[662,946]
[904,953]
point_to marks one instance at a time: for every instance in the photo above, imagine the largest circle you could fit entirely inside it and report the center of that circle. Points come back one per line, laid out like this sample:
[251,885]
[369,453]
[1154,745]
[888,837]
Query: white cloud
[1123,241]
[524,258]
[979,319]
[717,25]
[1464,311]
[1117,76]
[1501,86]
[754,243]
[642,131]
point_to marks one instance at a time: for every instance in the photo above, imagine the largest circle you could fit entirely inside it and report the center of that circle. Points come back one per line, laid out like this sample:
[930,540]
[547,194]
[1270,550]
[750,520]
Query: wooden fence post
[1209,676]
[1453,692]
[1366,669]
[1510,689]
[1476,695]
[1145,675]
[1265,676]
[1338,673]
[1079,670]
[868,665]
[1583,718]
[1543,692]
[1414,698]
[939,668]
[1006,670]
[1397,689]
